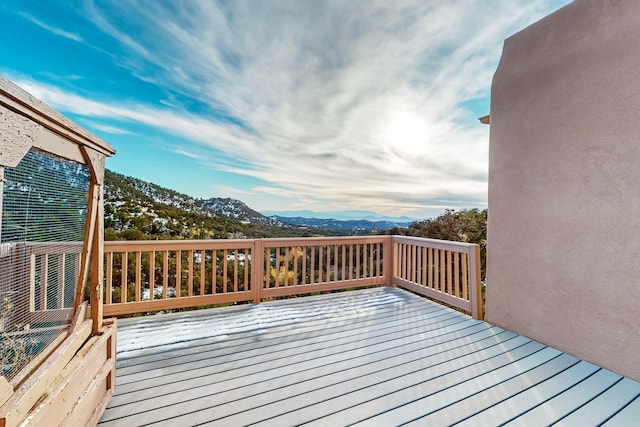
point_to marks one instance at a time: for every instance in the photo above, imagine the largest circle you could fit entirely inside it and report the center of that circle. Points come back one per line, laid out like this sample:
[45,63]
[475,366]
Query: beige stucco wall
[564,184]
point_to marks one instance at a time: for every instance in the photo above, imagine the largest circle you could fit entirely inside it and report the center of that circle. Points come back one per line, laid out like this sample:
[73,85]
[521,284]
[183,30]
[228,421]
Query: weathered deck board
[627,416]
[377,357]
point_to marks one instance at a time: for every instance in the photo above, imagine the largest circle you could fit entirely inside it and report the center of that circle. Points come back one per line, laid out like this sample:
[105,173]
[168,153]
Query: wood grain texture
[17,136]
[33,387]
[21,102]
[6,390]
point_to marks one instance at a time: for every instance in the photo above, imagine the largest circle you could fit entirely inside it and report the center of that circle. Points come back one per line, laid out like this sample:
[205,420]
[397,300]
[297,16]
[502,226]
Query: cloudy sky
[286,105]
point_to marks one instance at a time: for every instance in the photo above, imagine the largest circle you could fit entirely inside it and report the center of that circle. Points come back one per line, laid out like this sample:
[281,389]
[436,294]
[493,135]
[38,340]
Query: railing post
[475,284]
[97,264]
[389,261]
[257,269]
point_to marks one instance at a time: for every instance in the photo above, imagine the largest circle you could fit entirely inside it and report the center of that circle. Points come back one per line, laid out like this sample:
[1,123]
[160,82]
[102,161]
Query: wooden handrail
[144,276]
[446,271]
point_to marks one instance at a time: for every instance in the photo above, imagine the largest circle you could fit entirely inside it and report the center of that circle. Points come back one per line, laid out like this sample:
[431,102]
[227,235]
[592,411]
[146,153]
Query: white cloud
[106,128]
[54,30]
[187,153]
[353,102]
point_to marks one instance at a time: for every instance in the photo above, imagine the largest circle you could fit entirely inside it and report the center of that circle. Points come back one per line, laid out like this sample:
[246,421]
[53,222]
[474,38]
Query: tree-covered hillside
[138,210]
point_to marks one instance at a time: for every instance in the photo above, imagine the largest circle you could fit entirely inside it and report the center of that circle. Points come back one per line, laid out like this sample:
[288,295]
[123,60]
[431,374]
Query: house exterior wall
[564,184]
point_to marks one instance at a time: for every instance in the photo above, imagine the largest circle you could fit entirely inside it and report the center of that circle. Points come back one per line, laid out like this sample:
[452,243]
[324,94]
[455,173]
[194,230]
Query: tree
[467,225]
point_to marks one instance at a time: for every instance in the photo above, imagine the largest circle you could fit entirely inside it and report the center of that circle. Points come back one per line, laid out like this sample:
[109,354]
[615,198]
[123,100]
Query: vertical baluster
[165,273]
[343,267]
[178,284]
[303,274]
[351,262]
[449,274]
[411,267]
[465,274]
[320,258]
[225,272]
[203,280]
[124,279]
[76,266]
[247,265]
[371,268]
[378,249]
[312,275]
[365,259]
[235,270]
[409,262]
[109,279]
[287,256]
[61,281]
[152,275]
[44,280]
[405,261]
[401,260]
[414,264]
[435,259]
[138,274]
[296,258]
[32,282]
[456,274]
[190,274]
[277,281]
[267,265]
[417,263]
[374,259]
[336,264]
[395,262]
[214,271]
[328,263]
[443,270]
[425,266]
[428,265]
[357,266]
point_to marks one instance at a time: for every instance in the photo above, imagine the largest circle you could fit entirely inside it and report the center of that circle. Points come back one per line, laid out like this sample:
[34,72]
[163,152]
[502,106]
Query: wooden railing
[52,265]
[145,276]
[142,276]
[295,266]
[41,280]
[445,271]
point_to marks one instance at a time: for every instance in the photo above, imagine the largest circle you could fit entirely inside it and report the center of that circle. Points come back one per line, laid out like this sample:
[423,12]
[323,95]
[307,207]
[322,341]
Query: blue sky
[286,105]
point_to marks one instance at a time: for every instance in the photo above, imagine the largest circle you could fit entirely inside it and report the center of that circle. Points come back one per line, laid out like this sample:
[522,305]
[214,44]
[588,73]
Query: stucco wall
[564,184]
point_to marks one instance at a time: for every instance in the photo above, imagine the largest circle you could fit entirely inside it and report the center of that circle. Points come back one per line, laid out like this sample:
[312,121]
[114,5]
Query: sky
[286,105]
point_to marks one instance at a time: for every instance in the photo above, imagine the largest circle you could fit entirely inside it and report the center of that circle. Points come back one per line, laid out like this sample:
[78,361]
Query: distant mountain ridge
[353,225]
[232,208]
[136,209]
[347,215]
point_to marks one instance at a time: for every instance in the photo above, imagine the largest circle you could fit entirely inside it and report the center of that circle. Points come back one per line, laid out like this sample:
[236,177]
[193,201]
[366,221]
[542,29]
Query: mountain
[232,208]
[135,209]
[138,210]
[351,226]
[341,215]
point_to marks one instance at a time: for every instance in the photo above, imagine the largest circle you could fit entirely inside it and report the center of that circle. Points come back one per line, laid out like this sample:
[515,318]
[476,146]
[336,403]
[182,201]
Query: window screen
[43,215]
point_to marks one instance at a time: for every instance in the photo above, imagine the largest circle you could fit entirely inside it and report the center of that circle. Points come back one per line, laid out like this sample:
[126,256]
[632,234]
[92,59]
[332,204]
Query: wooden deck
[378,356]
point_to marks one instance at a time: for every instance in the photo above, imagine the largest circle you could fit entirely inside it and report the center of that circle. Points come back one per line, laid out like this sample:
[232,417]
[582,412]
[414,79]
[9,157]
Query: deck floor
[378,356]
